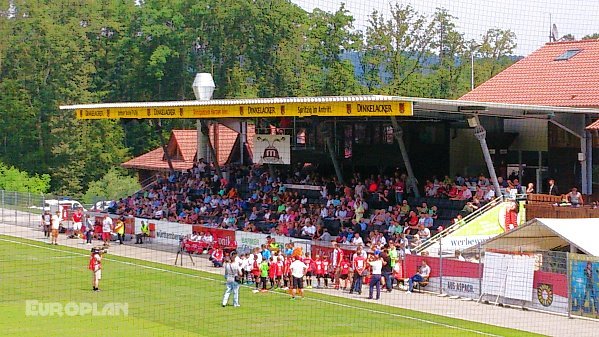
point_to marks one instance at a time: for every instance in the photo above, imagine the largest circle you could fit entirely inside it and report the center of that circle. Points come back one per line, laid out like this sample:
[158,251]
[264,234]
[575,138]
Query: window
[568,54]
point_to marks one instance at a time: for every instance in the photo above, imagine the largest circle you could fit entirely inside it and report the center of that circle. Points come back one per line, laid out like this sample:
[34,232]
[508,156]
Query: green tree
[12,179]
[113,185]
[395,49]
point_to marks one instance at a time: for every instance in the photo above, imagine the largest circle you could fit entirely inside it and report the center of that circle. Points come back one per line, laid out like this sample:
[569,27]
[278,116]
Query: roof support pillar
[481,134]
[202,141]
[206,131]
[412,183]
[589,159]
[158,127]
[584,188]
[331,149]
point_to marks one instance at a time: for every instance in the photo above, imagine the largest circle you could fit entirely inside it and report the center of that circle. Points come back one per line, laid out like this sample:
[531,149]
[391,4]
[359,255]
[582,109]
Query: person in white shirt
[55,227]
[423,232]
[308,230]
[298,270]
[423,273]
[106,229]
[376,264]
[357,240]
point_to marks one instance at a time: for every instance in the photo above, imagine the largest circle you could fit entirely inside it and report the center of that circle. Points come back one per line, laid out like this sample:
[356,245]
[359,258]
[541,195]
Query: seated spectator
[423,274]
[426,220]
[489,194]
[217,257]
[308,230]
[469,208]
[411,224]
[357,240]
[575,198]
[326,236]
[423,232]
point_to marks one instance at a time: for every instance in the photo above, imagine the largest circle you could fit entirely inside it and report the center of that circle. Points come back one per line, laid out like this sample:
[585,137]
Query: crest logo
[545,294]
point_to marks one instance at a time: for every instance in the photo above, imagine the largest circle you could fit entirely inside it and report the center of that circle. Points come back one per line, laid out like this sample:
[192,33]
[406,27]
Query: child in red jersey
[344,269]
[286,272]
[326,266]
[309,263]
[280,268]
[272,271]
[318,270]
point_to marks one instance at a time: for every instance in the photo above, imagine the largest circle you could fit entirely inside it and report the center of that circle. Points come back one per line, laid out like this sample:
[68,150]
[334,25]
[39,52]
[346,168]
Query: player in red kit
[344,269]
[309,263]
[336,264]
[286,272]
[359,267]
[318,270]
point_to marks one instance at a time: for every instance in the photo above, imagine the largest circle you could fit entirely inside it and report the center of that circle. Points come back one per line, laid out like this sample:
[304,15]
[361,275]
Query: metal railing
[459,224]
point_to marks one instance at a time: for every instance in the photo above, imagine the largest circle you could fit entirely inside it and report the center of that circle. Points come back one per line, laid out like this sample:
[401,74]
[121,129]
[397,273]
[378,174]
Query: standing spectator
[106,229]
[55,226]
[119,229]
[77,222]
[46,222]
[423,273]
[553,190]
[575,198]
[530,188]
[387,270]
[232,277]
[359,266]
[298,270]
[376,263]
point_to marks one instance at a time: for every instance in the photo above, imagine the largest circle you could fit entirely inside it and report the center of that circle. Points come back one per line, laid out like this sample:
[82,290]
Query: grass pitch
[169,301]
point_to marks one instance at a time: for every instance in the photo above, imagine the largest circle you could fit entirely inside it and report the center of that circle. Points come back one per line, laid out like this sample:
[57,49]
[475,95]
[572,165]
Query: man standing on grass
[232,276]
[298,270]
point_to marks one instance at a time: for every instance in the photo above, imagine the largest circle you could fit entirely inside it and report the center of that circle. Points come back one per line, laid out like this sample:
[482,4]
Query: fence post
[29,205]
[2,205]
[480,273]
[569,280]
[16,201]
[440,266]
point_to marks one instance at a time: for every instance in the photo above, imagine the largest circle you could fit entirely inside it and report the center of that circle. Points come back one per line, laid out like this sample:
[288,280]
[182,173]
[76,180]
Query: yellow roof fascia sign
[322,109]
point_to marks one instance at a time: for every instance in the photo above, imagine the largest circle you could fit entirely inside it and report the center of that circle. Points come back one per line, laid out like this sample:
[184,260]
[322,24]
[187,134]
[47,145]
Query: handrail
[467,219]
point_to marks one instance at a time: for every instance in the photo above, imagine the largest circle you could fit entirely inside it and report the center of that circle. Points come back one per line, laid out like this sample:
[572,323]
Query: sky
[529,19]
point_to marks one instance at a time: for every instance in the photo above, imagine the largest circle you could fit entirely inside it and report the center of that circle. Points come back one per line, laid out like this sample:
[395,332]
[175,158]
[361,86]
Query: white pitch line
[274,292]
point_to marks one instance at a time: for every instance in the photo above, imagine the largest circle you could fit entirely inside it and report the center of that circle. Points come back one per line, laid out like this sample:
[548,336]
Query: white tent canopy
[548,234]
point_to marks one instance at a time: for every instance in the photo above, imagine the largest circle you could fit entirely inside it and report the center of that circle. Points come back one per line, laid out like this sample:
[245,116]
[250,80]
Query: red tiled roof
[155,161]
[182,146]
[540,80]
[187,140]
[593,126]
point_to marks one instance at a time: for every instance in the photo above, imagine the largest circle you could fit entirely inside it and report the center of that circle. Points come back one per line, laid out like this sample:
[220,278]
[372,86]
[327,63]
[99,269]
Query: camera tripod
[180,252]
